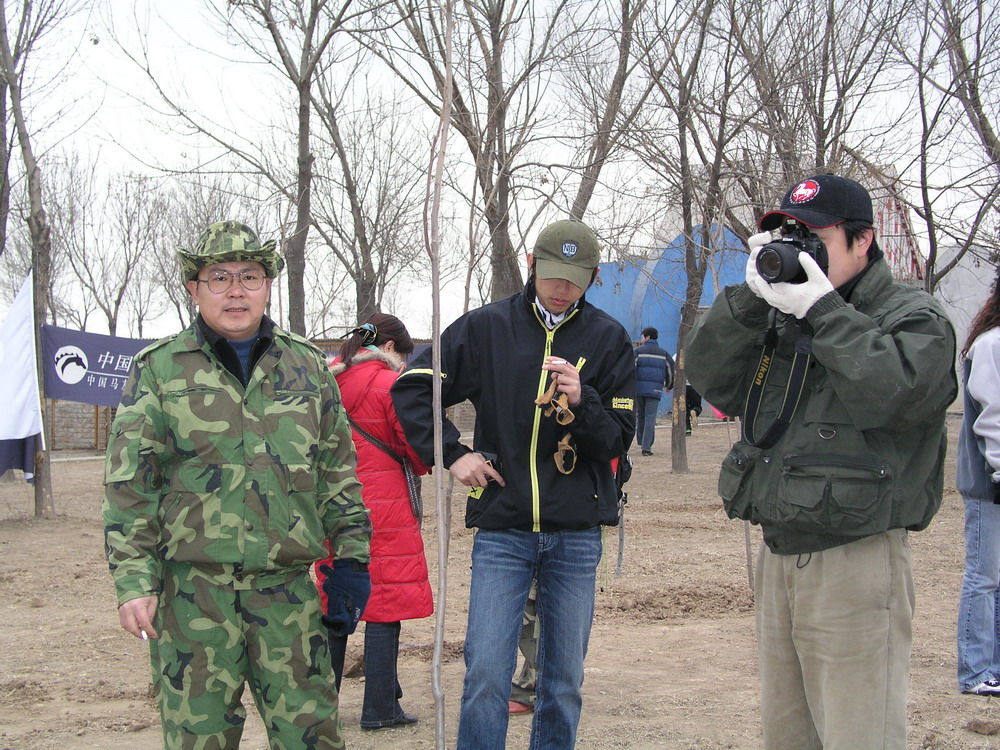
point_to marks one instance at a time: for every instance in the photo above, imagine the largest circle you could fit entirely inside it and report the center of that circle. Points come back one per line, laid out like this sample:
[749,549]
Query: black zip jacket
[493,357]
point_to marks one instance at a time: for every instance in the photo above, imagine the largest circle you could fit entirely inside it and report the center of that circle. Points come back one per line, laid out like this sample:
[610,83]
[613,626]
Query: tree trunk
[295,250]
[41,251]
[503,262]
[4,169]
[366,301]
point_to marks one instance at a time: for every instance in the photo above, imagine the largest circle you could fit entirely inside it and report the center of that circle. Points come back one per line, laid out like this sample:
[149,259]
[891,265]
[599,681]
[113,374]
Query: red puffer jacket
[400,586]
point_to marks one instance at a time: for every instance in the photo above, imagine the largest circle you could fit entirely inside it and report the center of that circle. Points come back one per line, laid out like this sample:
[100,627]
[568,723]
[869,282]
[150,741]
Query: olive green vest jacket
[864,452]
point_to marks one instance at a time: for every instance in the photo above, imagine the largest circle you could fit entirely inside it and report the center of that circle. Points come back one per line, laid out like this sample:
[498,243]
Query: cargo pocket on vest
[734,481]
[834,495]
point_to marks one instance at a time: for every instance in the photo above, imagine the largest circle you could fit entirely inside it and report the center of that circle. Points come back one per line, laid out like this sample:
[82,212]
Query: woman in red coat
[368,364]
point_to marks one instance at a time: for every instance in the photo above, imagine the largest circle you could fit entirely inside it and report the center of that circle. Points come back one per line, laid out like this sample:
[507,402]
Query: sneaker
[986,687]
[687,432]
[647,453]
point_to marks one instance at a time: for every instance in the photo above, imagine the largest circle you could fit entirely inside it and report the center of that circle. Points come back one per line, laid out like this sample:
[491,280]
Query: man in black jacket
[553,383]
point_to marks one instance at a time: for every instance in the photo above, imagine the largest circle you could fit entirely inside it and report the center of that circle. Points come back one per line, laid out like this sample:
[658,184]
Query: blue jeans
[645,421]
[978,610]
[503,565]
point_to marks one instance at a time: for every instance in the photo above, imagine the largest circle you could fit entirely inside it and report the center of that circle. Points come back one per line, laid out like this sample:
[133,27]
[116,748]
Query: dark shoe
[647,453]
[514,708]
[986,687]
[401,721]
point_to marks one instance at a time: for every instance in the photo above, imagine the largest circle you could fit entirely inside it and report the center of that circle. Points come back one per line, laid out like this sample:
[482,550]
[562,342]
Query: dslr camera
[779,260]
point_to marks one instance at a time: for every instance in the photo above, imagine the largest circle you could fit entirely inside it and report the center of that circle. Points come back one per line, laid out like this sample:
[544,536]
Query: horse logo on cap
[804,192]
[569,249]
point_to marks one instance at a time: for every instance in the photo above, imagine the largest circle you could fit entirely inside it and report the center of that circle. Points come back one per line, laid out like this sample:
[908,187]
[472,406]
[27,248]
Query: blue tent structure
[650,291]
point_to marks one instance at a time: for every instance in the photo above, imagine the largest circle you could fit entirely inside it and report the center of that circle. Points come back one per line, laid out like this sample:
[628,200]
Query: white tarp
[20,415]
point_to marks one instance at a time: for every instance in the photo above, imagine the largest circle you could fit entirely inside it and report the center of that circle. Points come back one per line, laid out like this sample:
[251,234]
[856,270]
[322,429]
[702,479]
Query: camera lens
[779,261]
[769,264]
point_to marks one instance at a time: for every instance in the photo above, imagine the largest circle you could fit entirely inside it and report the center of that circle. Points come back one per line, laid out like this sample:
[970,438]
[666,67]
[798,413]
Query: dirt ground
[672,661]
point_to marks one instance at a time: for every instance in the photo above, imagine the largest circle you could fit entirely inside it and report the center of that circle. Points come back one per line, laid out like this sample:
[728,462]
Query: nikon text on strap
[793,391]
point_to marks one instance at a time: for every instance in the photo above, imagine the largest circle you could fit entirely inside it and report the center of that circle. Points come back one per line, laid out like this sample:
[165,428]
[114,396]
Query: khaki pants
[834,635]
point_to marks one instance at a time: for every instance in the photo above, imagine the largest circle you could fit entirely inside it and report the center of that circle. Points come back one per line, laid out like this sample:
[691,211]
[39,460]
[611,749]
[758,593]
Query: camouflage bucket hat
[227,241]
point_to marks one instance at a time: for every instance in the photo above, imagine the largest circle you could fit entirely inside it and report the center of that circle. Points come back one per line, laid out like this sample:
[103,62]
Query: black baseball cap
[823,200]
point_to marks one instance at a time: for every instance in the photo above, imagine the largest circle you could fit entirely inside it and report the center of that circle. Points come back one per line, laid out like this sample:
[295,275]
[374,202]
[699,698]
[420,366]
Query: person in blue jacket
[654,374]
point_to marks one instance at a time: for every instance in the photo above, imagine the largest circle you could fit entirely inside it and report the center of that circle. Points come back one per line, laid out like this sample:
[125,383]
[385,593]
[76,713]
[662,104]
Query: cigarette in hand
[143,634]
[557,362]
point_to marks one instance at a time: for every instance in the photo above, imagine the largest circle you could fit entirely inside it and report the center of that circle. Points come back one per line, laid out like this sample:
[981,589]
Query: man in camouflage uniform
[230,465]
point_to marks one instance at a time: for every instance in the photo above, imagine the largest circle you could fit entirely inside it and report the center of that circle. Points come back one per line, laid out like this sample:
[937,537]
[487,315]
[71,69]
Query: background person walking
[654,374]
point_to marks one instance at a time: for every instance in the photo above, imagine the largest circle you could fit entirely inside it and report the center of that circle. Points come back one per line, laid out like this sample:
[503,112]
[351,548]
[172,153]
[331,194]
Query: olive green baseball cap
[227,241]
[569,250]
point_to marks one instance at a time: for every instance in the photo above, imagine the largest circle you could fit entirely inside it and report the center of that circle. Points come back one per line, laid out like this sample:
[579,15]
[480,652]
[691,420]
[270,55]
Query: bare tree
[106,247]
[6,149]
[296,39]
[301,34]
[740,110]
[369,210]
[74,215]
[816,73]
[952,48]
[34,21]
[597,76]
[504,55]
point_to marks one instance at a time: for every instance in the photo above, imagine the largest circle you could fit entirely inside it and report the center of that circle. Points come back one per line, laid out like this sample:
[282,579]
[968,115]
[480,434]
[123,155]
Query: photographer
[842,376]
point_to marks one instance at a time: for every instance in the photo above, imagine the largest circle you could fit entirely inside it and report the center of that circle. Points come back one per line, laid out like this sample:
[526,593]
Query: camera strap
[793,391]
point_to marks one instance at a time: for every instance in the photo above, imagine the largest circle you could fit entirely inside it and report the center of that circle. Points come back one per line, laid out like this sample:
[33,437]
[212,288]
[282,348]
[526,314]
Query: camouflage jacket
[245,484]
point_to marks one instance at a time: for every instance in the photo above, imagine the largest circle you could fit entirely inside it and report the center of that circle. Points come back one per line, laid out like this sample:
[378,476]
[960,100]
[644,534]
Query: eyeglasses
[220,281]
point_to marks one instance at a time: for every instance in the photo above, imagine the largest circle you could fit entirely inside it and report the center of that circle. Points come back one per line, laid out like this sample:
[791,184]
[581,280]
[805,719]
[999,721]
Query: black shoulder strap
[793,391]
[374,440]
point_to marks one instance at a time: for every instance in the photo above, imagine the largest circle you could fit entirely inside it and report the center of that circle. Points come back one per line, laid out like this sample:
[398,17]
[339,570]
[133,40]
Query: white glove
[797,299]
[755,243]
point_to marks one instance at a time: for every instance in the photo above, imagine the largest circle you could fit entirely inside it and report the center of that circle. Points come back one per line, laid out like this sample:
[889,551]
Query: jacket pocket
[820,493]
[478,501]
[734,481]
[294,506]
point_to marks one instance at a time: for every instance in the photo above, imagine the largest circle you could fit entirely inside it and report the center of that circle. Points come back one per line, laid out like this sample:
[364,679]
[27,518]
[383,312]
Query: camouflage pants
[216,638]
[522,689]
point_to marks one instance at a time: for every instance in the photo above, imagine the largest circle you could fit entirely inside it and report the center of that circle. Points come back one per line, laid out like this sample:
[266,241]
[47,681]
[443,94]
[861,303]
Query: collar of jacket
[847,288]
[867,285]
[391,359]
[528,300]
[205,337]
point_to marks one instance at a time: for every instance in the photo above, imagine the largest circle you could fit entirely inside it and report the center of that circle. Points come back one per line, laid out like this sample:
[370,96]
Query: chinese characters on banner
[87,367]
